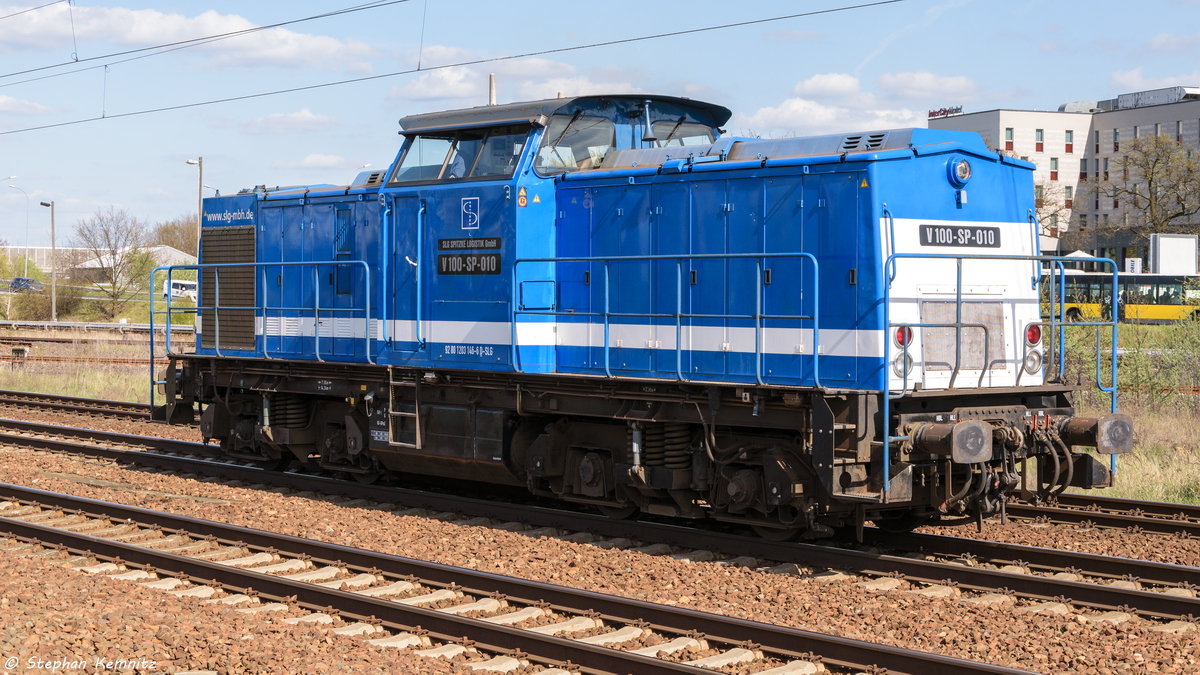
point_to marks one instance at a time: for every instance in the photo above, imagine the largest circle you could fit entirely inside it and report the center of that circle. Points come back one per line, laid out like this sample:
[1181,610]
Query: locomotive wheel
[618,512]
[777,533]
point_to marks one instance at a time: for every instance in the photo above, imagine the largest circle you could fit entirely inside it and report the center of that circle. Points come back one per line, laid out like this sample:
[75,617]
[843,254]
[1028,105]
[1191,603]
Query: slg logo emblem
[470,213]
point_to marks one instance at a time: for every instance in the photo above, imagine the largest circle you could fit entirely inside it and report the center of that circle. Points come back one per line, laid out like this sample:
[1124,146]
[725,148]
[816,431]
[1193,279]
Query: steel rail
[1167,510]
[932,572]
[777,640]
[1047,559]
[75,404]
[1075,516]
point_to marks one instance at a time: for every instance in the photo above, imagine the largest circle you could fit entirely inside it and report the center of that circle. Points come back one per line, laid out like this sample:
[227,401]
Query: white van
[180,289]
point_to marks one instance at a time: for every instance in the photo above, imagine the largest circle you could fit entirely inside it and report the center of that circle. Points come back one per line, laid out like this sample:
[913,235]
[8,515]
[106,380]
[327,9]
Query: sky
[72,68]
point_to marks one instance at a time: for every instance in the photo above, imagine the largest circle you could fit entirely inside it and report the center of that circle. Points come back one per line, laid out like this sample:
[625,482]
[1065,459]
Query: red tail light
[1033,334]
[904,336]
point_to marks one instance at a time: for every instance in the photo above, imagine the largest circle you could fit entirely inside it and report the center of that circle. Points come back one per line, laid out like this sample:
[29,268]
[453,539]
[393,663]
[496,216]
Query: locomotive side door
[406,219]
[831,208]
[295,283]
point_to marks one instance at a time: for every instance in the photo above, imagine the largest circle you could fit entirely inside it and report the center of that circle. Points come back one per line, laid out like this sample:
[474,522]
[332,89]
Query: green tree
[1155,185]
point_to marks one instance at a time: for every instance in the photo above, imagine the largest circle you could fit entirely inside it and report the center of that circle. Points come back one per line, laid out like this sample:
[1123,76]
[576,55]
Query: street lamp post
[199,163]
[53,267]
[26,273]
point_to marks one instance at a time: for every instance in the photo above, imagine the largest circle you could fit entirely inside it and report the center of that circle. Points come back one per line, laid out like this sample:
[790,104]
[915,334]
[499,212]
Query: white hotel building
[1075,144]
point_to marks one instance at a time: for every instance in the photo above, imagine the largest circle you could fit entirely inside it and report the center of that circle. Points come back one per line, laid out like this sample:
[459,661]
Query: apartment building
[1074,146]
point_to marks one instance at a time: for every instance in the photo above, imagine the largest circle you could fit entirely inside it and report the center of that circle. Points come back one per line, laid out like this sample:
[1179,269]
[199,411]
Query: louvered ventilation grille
[228,245]
[863,142]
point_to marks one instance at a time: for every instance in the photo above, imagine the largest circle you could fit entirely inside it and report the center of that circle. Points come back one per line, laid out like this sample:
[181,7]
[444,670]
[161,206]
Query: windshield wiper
[554,145]
[672,134]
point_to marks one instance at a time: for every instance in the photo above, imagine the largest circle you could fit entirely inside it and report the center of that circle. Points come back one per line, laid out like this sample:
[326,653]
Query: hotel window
[1083,221]
[1038,138]
[1157,129]
[1106,222]
[1037,195]
[1053,168]
[1105,168]
[1097,142]
[1179,131]
[1068,197]
[1070,142]
[1083,169]
[1008,139]
[1116,140]
[1137,132]
[1053,224]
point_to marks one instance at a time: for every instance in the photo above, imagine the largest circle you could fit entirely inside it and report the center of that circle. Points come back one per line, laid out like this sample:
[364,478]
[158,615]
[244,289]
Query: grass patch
[117,383]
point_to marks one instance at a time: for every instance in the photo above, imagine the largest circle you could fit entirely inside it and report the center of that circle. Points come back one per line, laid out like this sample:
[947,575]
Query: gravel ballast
[1003,633]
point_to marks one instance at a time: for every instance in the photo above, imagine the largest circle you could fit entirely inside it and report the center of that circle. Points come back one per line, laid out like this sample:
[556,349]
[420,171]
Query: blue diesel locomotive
[603,300]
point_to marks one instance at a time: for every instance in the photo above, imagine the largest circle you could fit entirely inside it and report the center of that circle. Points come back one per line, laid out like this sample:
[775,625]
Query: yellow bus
[1141,298]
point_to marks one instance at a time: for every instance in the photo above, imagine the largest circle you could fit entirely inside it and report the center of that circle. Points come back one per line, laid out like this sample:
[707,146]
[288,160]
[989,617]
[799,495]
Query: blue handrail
[678,315]
[258,309]
[892,264]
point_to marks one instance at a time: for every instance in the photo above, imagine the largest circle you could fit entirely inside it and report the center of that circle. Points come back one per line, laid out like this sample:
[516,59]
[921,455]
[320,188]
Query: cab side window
[457,155]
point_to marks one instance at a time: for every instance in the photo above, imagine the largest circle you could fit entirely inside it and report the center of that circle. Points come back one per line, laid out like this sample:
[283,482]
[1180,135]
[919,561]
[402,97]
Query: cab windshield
[679,133]
[573,143]
[457,155]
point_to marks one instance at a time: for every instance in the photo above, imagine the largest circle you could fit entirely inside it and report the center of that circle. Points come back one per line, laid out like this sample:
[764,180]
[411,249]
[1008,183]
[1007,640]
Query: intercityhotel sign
[945,112]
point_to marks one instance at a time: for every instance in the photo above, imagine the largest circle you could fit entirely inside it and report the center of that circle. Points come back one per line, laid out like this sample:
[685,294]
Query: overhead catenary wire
[208,38]
[26,11]
[475,62]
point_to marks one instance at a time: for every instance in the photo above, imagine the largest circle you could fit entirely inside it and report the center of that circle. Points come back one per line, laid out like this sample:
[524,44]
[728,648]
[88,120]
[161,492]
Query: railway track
[72,404]
[373,593]
[1112,512]
[1155,590]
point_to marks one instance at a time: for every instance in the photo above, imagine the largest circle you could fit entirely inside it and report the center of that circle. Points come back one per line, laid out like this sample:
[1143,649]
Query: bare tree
[1154,185]
[1053,214]
[114,240]
[179,233]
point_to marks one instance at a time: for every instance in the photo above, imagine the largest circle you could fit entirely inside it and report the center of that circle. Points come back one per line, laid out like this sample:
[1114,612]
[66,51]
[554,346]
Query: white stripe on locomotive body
[834,342]
[1007,282]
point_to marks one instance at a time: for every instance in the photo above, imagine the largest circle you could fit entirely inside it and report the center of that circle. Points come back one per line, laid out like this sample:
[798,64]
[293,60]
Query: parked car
[21,284]
[180,289]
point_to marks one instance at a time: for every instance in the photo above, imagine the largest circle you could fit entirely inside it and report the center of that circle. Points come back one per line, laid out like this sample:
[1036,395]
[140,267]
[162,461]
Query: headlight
[1033,362]
[902,364]
[958,171]
[962,171]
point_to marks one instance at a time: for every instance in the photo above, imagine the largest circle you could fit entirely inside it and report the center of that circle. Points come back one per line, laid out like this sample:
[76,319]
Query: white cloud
[829,86]
[290,123]
[316,161]
[18,106]
[835,102]
[1136,80]
[51,28]
[928,86]
[801,117]
[1173,43]
[517,79]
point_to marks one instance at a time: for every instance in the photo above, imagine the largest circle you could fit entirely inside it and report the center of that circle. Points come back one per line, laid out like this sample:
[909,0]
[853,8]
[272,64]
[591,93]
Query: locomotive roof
[526,111]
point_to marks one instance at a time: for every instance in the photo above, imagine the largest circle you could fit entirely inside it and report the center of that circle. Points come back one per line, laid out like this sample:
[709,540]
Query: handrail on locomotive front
[679,315]
[1057,301]
[316,309]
